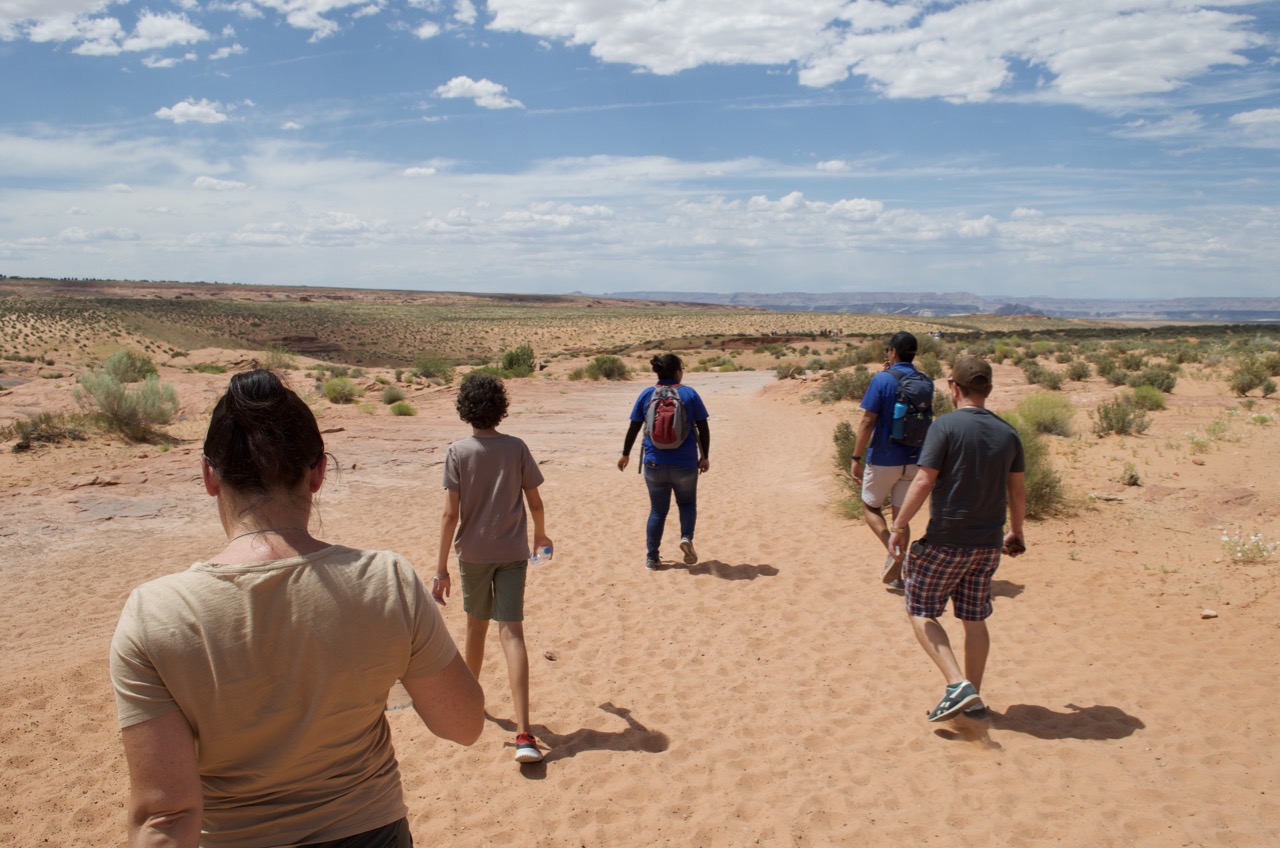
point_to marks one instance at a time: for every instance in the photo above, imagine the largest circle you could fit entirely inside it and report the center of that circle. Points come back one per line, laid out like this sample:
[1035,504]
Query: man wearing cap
[972,463]
[884,467]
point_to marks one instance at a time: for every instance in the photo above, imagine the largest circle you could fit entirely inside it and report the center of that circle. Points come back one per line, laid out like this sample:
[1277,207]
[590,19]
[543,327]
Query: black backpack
[912,409]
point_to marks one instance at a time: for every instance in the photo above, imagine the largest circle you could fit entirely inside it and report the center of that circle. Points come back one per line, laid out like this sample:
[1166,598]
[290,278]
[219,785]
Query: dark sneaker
[690,555]
[892,572]
[652,564]
[955,699]
[527,749]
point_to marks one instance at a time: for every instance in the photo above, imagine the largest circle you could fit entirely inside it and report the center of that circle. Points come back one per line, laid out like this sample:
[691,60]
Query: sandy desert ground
[771,694]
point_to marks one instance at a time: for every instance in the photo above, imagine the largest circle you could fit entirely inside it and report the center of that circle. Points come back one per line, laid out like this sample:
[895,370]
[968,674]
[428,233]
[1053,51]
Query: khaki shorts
[493,590]
[883,481]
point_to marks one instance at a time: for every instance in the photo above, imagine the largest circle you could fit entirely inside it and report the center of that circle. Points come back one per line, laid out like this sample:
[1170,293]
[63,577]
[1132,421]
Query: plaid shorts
[934,573]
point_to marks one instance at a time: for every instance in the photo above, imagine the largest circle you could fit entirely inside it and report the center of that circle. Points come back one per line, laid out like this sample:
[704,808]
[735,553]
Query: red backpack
[666,420]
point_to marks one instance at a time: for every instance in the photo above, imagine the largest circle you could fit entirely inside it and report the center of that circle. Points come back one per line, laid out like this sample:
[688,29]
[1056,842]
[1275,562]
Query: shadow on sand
[635,737]
[723,570]
[1094,723]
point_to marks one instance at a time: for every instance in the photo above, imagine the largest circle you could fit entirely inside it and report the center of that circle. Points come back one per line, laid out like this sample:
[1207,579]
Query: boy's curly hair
[482,401]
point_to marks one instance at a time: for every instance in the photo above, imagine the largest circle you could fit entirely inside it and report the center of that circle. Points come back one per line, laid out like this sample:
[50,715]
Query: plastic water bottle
[899,420]
[540,555]
[398,698]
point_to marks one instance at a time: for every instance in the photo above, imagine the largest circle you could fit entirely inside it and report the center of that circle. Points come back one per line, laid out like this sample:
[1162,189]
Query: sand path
[770,695]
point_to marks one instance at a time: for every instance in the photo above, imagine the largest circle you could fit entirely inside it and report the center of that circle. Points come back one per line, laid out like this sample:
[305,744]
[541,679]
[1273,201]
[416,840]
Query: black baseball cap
[904,343]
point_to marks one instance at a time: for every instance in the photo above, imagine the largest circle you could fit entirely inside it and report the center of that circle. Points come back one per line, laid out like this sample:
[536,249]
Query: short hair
[262,436]
[905,344]
[482,401]
[666,365]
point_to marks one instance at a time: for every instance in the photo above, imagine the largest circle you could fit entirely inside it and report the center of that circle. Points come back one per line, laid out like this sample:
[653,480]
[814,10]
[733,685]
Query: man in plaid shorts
[972,463]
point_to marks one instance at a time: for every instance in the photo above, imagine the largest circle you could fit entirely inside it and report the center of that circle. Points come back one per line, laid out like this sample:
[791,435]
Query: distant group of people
[251,687]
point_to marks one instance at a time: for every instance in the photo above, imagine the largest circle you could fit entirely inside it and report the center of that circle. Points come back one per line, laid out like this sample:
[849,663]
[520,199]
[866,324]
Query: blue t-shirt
[880,398]
[685,456]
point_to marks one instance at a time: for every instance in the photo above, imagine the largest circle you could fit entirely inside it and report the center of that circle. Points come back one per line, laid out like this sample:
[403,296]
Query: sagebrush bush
[844,385]
[518,362]
[341,390]
[1147,398]
[606,367]
[403,408]
[1077,369]
[1046,494]
[1118,416]
[132,412]
[392,394]
[129,367]
[787,372]
[942,402]
[1250,374]
[929,364]
[1161,378]
[846,439]
[278,358]
[433,365]
[1046,412]
[45,427]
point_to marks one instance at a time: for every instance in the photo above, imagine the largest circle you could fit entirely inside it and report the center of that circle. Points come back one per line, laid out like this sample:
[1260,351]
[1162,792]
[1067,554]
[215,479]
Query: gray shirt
[974,451]
[490,473]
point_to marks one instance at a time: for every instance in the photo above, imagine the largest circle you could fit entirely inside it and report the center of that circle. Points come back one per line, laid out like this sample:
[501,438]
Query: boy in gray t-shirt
[488,478]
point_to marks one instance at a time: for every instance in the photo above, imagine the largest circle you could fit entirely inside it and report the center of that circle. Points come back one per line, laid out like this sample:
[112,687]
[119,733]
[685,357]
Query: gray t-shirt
[974,452]
[490,473]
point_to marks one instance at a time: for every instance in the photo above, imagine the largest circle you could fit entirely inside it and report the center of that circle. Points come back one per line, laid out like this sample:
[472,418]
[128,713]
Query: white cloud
[1175,126]
[214,184]
[1257,118]
[228,51]
[291,126]
[419,172]
[464,12]
[199,111]
[157,62]
[427,30]
[155,32]
[1086,51]
[485,93]
[834,166]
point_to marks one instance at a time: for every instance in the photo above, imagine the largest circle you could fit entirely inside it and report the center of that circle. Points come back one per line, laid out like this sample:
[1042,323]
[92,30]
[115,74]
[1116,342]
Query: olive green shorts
[493,590]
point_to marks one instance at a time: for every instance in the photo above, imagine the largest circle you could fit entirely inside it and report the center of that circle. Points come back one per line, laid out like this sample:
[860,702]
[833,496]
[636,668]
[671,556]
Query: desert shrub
[381,380]
[1161,378]
[1105,365]
[128,367]
[1129,476]
[278,357]
[787,372]
[845,438]
[606,367]
[518,362]
[341,390]
[930,365]
[1063,357]
[403,408]
[1046,412]
[1117,377]
[844,385]
[1046,494]
[1038,375]
[1148,398]
[1251,374]
[578,374]
[46,427]
[942,403]
[1118,416]
[132,412]
[1077,369]
[209,368]
[392,394]
[1133,361]
[433,366]
[816,364]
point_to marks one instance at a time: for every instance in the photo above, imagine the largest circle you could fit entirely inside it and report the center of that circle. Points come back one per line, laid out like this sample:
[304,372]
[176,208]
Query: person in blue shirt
[884,467]
[671,472]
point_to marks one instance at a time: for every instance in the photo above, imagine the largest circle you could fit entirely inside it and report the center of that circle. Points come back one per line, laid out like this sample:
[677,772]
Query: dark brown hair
[666,366]
[262,436]
[482,401]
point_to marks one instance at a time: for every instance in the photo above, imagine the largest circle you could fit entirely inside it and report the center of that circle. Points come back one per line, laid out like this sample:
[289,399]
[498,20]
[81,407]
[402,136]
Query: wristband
[857,457]
[897,529]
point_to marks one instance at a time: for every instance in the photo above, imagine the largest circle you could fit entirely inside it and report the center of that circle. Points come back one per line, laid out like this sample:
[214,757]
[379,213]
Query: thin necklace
[266,530]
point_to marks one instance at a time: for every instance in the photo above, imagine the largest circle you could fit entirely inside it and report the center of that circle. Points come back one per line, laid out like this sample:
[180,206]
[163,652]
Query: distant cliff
[942,304]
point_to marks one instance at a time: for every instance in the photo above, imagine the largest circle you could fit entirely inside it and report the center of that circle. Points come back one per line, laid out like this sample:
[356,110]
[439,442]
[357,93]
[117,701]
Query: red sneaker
[527,749]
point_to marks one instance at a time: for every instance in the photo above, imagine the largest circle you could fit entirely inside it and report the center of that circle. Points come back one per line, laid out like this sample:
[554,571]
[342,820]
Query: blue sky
[1093,148]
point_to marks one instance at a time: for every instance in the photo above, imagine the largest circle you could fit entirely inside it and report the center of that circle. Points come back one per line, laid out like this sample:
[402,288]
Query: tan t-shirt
[282,669]
[490,472]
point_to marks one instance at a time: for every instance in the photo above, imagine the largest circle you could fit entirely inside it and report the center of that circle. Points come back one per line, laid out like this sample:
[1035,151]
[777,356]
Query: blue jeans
[664,481]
